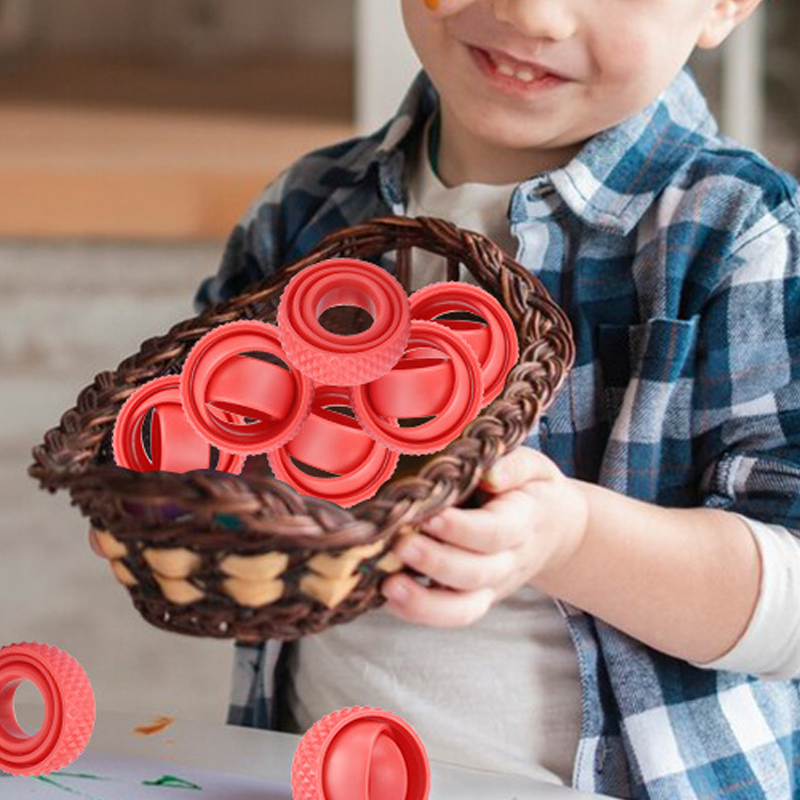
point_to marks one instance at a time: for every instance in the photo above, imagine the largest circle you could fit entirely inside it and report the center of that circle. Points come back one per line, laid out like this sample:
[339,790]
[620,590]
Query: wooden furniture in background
[100,146]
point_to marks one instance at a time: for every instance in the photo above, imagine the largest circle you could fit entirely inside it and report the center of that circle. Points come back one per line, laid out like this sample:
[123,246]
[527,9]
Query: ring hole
[414,422]
[345,410]
[27,693]
[346,320]
[312,472]
[147,440]
[469,316]
[270,358]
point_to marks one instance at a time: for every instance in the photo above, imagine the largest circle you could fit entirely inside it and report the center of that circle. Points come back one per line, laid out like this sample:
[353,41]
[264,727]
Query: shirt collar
[609,184]
[388,148]
[618,173]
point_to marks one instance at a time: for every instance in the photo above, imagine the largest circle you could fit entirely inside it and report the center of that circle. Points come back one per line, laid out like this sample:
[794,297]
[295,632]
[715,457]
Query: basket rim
[65,458]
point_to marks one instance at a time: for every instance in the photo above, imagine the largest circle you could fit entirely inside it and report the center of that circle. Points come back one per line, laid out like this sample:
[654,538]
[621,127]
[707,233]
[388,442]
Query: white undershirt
[504,693]
[770,646]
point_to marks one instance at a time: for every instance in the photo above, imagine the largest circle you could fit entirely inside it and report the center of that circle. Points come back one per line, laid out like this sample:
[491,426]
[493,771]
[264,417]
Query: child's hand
[535,522]
[94,543]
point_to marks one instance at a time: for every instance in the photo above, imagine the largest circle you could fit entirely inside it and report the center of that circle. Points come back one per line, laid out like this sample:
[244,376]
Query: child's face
[610,58]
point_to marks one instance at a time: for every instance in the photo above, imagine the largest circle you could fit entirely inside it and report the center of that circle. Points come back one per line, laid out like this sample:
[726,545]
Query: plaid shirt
[675,253]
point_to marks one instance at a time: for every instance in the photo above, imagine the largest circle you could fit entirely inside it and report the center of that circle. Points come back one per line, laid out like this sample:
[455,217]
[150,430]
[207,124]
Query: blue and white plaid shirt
[676,254]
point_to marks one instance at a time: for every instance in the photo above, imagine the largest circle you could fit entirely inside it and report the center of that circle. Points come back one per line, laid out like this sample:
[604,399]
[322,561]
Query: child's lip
[497,55]
[487,62]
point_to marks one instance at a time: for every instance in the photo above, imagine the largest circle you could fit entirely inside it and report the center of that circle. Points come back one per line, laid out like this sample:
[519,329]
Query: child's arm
[684,581]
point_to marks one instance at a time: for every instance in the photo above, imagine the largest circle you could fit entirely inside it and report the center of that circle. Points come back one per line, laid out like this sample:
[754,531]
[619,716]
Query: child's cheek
[445,8]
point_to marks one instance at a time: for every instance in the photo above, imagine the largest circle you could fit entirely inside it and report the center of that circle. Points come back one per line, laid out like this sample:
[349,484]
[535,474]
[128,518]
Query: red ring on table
[69,709]
[361,753]
[216,378]
[175,445]
[495,343]
[464,392]
[334,442]
[330,358]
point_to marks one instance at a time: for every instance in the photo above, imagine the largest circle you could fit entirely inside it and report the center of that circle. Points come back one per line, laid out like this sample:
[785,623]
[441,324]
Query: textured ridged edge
[78,708]
[340,369]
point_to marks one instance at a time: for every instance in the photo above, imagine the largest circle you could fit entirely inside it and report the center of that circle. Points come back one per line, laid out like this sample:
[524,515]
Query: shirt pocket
[647,379]
[656,350]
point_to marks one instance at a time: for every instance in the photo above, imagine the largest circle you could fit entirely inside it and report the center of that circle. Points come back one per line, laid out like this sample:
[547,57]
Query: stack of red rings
[334,403]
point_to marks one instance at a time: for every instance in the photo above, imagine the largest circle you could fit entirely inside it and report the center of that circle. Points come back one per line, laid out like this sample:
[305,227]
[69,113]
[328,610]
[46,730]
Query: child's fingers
[517,468]
[412,602]
[95,544]
[502,524]
[455,567]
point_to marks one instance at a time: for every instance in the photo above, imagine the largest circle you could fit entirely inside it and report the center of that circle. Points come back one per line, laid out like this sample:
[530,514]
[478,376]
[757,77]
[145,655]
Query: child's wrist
[573,534]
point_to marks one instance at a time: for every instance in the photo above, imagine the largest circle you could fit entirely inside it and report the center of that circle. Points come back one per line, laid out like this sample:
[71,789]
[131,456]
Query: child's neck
[465,158]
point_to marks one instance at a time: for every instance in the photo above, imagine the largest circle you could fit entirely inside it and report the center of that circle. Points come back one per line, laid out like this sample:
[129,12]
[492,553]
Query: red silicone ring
[216,378]
[495,343]
[68,709]
[330,358]
[336,443]
[174,443]
[419,385]
[464,391]
[361,754]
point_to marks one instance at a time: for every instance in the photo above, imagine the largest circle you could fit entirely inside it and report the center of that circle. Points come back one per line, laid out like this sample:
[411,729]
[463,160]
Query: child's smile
[524,83]
[511,75]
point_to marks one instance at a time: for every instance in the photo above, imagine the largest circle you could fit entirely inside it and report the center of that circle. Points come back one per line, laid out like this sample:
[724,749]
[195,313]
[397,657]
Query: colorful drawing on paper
[99,776]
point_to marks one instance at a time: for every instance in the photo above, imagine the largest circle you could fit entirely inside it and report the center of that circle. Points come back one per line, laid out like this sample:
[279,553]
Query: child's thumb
[517,468]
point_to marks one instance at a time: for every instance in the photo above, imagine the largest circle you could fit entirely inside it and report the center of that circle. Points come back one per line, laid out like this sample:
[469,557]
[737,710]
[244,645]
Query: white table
[268,756]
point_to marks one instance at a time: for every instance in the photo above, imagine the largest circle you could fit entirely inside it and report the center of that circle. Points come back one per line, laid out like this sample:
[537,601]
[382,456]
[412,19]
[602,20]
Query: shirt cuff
[770,645]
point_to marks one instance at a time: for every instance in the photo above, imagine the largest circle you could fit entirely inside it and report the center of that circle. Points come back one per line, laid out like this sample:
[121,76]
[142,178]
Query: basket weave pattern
[208,553]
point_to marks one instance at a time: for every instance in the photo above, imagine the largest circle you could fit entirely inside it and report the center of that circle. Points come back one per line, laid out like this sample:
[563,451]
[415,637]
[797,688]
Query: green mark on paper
[86,775]
[52,782]
[172,782]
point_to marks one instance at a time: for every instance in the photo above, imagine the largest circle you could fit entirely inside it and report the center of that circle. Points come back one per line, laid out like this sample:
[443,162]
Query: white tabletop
[268,756]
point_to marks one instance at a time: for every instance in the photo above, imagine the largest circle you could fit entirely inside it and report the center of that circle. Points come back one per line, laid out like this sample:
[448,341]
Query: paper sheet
[99,776]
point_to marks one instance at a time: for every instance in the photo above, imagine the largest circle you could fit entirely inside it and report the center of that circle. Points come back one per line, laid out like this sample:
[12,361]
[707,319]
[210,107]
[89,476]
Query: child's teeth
[524,74]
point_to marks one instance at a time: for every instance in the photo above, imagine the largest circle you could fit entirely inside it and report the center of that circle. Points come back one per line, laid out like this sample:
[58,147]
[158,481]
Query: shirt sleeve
[746,393]
[254,250]
[770,645]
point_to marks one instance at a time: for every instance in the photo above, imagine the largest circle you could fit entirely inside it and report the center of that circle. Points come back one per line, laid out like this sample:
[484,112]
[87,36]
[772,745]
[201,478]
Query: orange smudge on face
[156,726]
[432,4]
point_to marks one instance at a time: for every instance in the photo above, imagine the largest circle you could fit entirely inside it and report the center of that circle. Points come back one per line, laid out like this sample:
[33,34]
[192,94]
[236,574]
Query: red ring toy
[361,754]
[336,443]
[330,358]
[495,343]
[464,391]
[417,386]
[174,444]
[69,709]
[216,378]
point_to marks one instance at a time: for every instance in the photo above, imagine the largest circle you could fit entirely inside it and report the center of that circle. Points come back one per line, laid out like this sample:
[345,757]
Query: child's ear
[723,18]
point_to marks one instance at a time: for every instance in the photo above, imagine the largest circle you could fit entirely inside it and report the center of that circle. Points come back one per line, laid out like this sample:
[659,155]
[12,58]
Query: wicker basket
[245,556]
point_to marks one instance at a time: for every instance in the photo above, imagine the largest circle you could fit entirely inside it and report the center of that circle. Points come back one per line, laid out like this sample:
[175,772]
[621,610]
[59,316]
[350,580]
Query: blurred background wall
[133,133]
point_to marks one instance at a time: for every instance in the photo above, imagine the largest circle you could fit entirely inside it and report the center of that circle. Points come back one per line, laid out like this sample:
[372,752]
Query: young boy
[620,615]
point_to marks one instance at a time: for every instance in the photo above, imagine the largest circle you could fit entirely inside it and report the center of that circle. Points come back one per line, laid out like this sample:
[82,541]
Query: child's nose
[538,19]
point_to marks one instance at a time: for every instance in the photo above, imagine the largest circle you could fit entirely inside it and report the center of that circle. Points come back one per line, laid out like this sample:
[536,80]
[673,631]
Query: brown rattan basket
[245,556]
